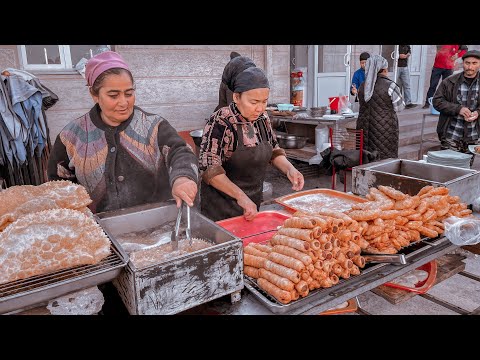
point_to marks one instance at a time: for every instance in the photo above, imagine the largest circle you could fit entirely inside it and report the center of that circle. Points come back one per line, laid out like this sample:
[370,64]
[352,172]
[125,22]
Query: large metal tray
[323,198]
[22,294]
[277,307]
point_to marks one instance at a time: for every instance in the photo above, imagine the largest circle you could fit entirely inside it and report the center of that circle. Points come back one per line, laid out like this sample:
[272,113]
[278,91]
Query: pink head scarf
[102,62]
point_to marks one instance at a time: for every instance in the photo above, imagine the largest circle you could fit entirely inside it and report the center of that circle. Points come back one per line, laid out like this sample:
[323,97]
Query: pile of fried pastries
[391,219]
[46,228]
[306,253]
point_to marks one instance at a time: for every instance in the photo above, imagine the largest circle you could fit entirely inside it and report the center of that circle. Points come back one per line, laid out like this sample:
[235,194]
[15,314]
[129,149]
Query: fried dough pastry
[20,200]
[50,240]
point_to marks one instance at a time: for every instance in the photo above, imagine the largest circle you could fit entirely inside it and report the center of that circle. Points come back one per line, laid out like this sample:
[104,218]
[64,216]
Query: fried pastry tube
[298,222]
[336,214]
[251,271]
[424,190]
[359,261]
[354,270]
[301,245]
[360,215]
[294,294]
[294,253]
[319,221]
[344,235]
[253,251]
[255,261]
[281,282]
[281,295]
[391,192]
[287,261]
[427,232]
[282,271]
[302,288]
[301,234]
[378,195]
[261,247]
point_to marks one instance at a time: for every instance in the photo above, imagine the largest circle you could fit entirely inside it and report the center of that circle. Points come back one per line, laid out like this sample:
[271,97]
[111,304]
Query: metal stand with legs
[420,151]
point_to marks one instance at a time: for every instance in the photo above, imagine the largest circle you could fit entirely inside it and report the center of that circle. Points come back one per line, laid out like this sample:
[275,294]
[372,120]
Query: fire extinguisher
[298,85]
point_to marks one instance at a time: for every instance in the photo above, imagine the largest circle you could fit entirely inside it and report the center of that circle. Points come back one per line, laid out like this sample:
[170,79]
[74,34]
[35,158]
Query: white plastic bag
[84,302]
[462,231]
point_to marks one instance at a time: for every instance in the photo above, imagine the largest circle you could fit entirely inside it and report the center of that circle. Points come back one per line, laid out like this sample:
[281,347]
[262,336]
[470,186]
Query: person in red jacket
[443,66]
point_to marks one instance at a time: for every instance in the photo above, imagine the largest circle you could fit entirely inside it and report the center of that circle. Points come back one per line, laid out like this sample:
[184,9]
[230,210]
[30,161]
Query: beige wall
[179,82]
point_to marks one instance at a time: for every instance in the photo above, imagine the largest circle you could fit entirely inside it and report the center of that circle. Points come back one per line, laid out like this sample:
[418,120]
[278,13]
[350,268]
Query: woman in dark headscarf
[380,99]
[238,144]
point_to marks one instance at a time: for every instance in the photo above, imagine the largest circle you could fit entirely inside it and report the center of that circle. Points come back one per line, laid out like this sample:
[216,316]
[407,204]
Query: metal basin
[288,141]
[197,136]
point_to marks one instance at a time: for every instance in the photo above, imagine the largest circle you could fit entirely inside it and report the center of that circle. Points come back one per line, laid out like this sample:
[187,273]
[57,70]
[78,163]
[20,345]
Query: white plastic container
[321,137]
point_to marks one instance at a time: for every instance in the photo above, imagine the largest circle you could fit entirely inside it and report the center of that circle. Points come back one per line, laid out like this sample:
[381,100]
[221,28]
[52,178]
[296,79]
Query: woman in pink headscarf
[121,154]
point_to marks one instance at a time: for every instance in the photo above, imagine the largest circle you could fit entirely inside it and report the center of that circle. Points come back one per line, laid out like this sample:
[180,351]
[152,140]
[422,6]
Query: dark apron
[246,169]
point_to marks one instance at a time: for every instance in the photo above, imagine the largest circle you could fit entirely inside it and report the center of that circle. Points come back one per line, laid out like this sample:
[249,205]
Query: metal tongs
[174,236]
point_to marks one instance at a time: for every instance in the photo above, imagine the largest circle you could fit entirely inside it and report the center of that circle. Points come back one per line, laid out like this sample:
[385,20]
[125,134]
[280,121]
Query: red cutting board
[261,228]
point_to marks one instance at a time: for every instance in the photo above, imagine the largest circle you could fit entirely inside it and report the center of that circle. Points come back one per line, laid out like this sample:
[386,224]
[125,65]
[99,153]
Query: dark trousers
[437,73]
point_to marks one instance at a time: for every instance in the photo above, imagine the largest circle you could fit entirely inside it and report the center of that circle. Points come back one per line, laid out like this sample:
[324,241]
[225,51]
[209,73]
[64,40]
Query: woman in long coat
[380,99]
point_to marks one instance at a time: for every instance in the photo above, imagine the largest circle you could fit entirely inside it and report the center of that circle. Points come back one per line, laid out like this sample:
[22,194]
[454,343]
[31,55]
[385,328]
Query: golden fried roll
[344,235]
[281,295]
[427,232]
[287,261]
[282,271]
[253,251]
[301,234]
[378,195]
[391,192]
[301,245]
[354,270]
[424,190]
[298,222]
[286,250]
[281,282]
[359,261]
[261,247]
[302,288]
[252,260]
[251,271]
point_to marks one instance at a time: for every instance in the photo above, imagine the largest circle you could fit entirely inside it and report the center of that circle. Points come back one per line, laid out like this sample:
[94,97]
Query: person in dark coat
[457,100]
[224,93]
[237,145]
[380,99]
[121,154]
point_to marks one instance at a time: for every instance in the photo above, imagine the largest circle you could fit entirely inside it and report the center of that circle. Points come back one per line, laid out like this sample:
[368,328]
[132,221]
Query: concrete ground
[458,290]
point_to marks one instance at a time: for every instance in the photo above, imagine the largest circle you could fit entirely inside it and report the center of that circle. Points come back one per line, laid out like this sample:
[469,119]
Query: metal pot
[197,136]
[288,141]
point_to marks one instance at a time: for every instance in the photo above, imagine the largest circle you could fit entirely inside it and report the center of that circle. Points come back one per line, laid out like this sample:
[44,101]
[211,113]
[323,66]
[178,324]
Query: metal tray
[22,294]
[303,196]
[278,308]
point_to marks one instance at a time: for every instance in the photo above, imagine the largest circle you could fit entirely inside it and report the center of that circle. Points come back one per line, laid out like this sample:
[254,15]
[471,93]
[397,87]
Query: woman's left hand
[296,178]
[184,189]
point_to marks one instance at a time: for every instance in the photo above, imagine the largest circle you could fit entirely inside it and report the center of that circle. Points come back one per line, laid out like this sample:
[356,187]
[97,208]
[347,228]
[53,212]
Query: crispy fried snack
[50,240]
[20,200]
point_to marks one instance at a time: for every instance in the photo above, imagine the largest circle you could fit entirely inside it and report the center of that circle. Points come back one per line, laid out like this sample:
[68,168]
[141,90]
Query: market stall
[322,246]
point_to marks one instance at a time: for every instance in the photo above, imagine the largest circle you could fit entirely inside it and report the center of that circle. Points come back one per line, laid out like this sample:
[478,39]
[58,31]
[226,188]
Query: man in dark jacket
[457,100]
[403,74]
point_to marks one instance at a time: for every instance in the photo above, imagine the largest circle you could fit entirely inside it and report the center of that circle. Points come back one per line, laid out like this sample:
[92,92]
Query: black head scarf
[235,67]
[251,78]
